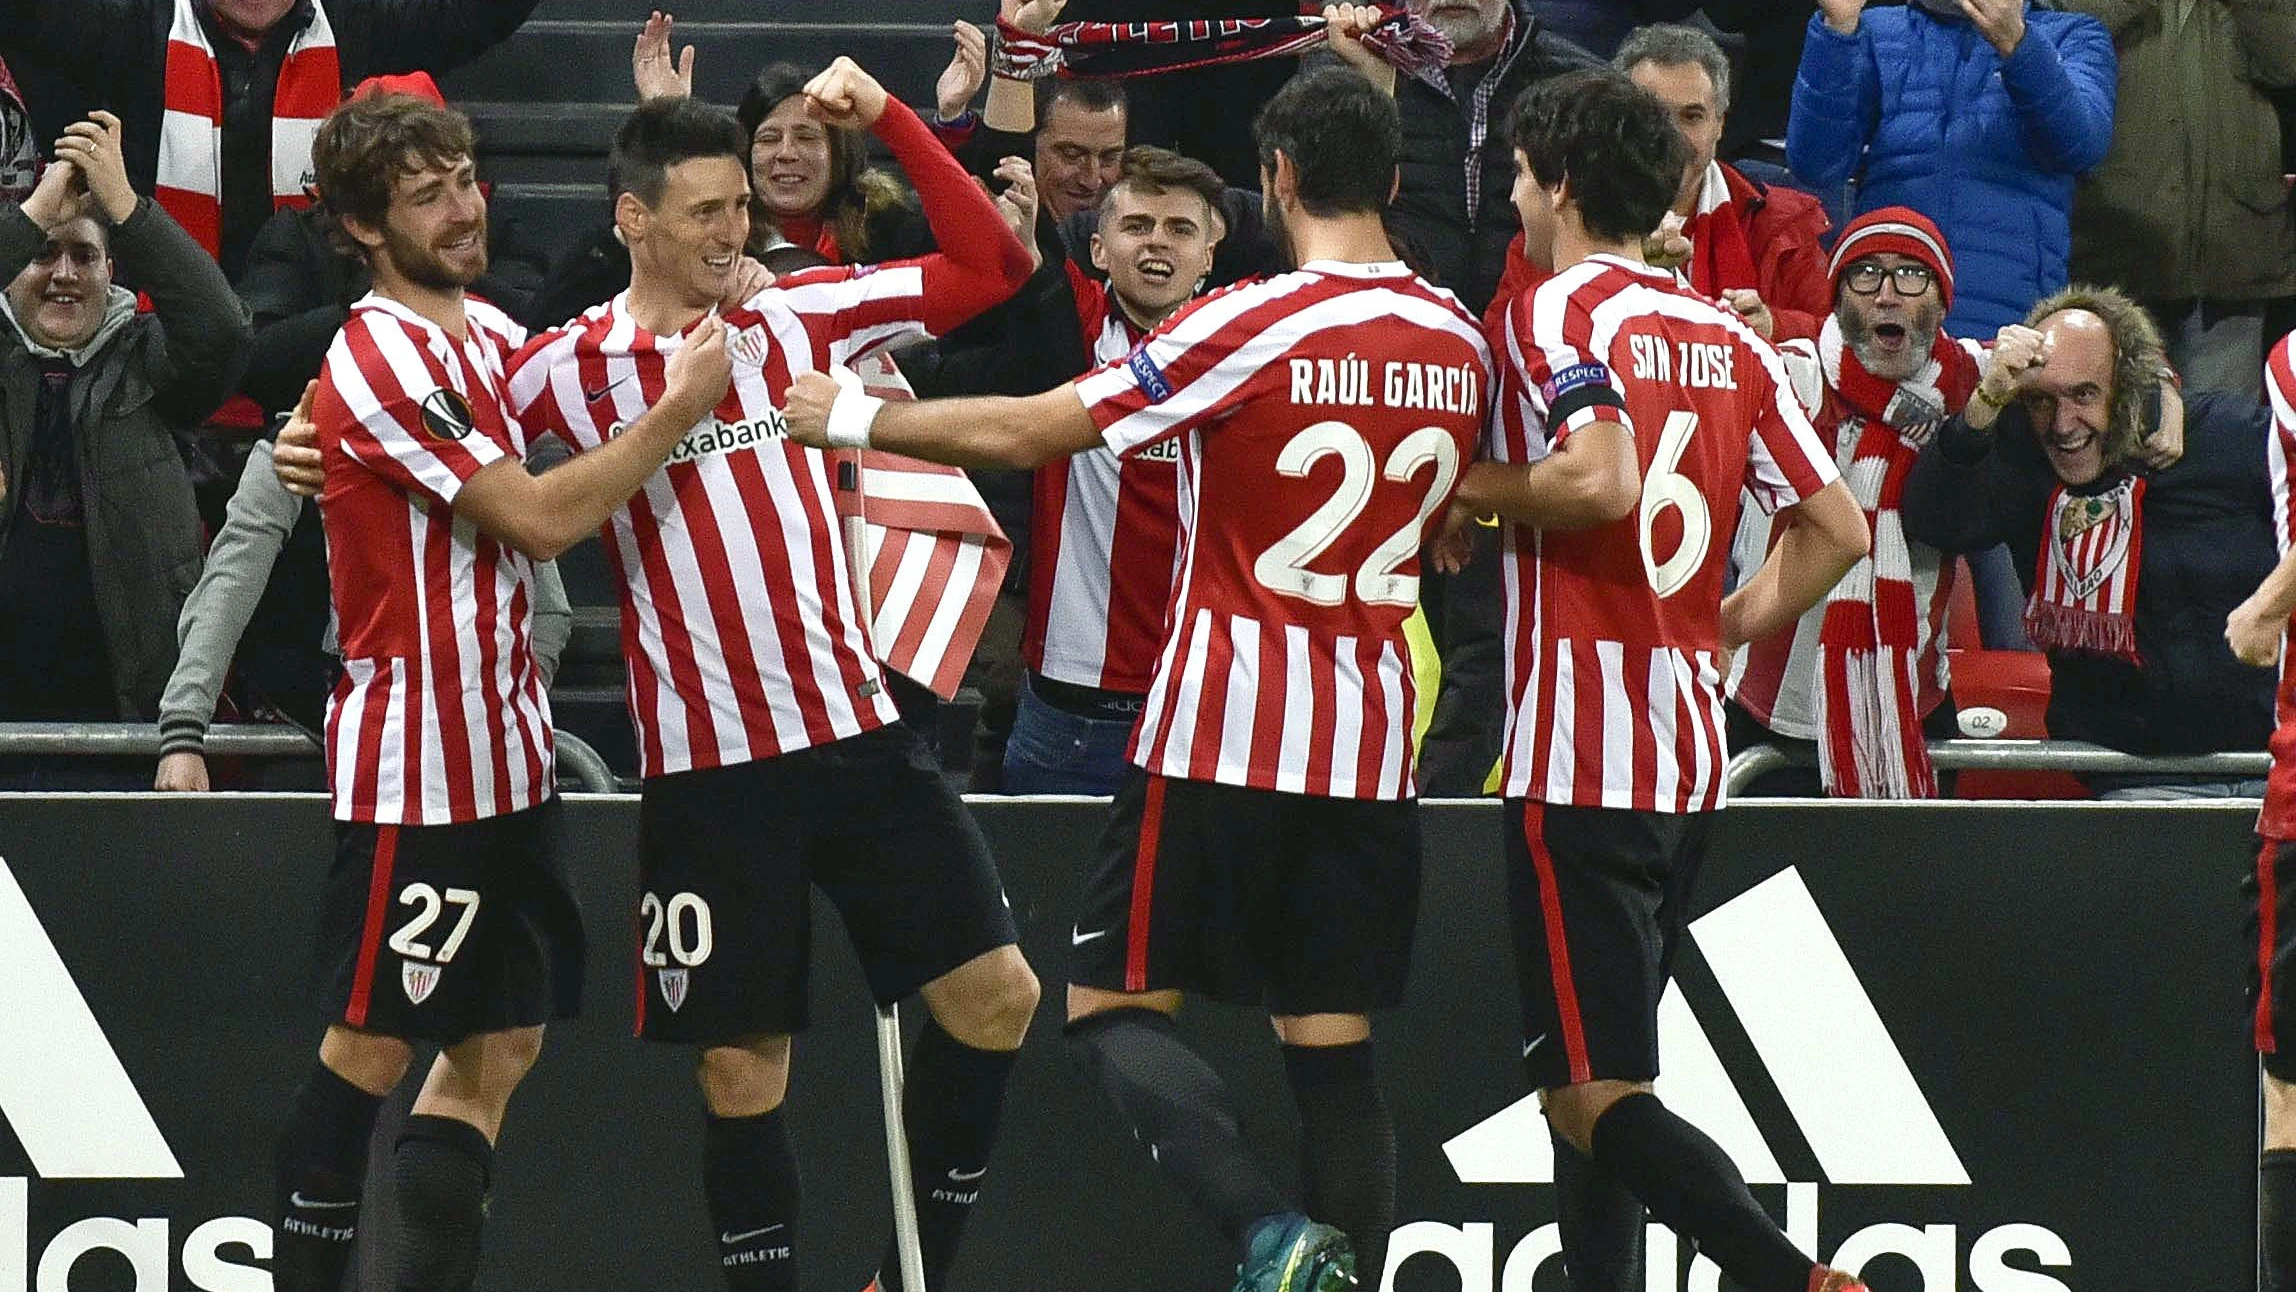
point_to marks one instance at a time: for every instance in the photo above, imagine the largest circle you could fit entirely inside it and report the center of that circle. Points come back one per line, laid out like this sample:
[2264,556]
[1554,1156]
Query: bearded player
[448,917]
[1265,847]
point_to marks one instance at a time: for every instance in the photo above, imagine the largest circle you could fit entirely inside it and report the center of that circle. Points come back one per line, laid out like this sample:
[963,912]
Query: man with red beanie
[1864,675]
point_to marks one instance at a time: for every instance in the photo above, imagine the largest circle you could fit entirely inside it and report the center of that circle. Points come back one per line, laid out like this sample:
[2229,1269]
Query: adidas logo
[75,1111]
[79,1117]
[1841,1076]
[1852,1095]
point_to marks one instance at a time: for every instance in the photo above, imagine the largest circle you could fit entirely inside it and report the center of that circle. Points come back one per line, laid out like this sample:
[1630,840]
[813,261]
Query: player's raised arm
[544,515]
[980,262]
[991,431]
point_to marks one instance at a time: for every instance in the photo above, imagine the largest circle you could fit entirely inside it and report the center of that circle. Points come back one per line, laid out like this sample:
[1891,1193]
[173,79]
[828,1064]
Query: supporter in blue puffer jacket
[1980,124]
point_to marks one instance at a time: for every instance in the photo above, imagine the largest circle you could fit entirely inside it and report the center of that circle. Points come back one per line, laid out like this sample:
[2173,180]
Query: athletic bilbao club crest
[673,988]
[417,980]
[2091,538]
[748,346]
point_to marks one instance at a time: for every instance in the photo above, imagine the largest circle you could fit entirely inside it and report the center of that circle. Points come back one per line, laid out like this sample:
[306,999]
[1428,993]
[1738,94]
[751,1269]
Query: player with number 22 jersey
[1265,848]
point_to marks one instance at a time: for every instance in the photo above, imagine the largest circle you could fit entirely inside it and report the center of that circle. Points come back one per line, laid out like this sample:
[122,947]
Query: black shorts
[728,857]
[1303,904]
[2271,890]
[1599,899]
[442,932]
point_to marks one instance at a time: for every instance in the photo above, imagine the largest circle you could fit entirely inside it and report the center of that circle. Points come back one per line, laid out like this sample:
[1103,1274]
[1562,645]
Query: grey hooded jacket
[141,377]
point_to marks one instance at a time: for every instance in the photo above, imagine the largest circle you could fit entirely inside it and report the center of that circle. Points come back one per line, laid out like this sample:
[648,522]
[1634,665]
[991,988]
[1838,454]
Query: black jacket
[77,55]
[2207,544]
[299,288]
[1465,250]
[157,373]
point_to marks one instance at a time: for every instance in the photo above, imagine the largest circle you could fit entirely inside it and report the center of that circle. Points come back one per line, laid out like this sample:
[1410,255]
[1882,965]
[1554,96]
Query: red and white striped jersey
[2279,818]
[1104,533]
[1322,419]
[440,715]
[1613,633]
[740,629]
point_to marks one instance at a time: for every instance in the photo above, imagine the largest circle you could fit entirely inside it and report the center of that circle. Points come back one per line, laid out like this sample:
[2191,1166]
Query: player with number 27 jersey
[1323,418]
[1613,633]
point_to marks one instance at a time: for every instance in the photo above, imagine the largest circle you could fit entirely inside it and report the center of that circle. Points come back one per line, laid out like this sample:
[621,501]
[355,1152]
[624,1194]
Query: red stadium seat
[2013,683]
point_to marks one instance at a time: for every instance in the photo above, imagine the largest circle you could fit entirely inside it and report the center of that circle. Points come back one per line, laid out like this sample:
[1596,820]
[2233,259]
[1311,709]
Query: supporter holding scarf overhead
[1121,49]
[2138,518]
[1862,674]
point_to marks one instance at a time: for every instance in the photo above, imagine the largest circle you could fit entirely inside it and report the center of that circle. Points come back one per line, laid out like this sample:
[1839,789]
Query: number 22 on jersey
[1283,567]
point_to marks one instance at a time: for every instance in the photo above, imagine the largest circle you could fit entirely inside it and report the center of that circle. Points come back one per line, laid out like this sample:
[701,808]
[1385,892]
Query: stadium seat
[2014,684]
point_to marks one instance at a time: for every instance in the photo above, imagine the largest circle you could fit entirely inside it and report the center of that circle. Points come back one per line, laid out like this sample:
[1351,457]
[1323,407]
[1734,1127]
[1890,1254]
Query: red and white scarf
[1122,49]
[1721,258]
[928,557]
[1870,742]
[190,187]
[2085,589]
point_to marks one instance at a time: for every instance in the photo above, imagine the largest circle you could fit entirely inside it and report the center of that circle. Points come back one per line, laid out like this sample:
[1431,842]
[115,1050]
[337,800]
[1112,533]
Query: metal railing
[245,740]
[2074,756]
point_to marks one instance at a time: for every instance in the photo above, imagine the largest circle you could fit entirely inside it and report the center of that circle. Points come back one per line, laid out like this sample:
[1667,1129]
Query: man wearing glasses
[1878,381]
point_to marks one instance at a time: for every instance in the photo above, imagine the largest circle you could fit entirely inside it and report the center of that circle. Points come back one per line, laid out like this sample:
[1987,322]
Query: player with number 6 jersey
[1616,700]
[1632,415]
[1265,849]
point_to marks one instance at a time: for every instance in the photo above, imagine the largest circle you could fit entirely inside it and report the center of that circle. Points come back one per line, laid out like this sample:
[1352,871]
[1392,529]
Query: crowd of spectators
[2025,261]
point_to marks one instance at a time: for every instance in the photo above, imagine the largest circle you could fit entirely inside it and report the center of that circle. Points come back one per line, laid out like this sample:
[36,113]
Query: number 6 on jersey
[1665,489]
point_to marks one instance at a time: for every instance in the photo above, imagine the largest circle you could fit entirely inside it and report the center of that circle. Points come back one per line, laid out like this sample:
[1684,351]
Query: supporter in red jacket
[1730,238]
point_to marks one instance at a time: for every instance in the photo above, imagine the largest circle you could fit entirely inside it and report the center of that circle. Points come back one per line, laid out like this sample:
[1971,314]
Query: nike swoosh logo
[298,1200]
[730,1239]
[1534,1043]
[593,396]
[1076,938]
[966,1177]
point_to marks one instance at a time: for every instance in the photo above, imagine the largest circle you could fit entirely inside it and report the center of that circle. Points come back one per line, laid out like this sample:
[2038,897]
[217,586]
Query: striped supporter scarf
[1122,49]
[928,557]
[190,187]
[2085,589]
[1870,741]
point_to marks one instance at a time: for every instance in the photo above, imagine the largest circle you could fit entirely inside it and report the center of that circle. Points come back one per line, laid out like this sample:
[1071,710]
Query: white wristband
[853,411]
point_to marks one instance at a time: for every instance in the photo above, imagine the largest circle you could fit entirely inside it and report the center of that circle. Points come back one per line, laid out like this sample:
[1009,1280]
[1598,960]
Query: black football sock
[322,1171]
[1347,1147]
[951,1103]
[749,1175]
[2276,1219]
[444,1169]
[1602,1224]
[1179,1108]
[1693,1187]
